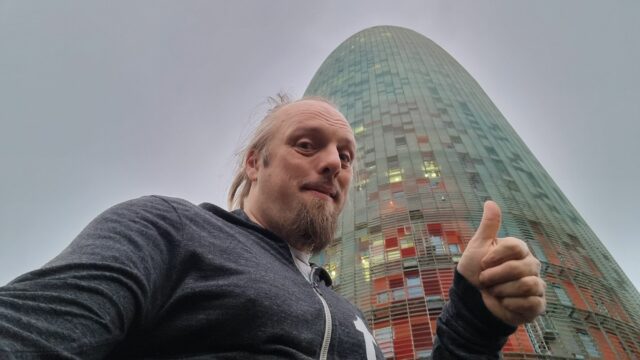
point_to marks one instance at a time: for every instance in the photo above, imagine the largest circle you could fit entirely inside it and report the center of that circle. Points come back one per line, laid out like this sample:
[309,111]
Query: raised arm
[497,287]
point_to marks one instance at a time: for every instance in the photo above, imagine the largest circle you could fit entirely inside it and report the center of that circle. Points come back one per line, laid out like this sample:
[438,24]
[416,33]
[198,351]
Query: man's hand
[504,270]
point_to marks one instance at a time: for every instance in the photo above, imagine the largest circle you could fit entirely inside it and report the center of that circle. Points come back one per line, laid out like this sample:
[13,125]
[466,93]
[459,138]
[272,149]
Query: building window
[383,298]
[434,302]
[395,175]
[562,295]
[588,344]
[398,294]
[438,246]
[454,249]
[384,338]
[431,169]
[538,252]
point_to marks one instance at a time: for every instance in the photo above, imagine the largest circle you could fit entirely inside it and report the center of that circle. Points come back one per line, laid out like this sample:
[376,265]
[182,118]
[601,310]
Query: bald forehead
[311,110]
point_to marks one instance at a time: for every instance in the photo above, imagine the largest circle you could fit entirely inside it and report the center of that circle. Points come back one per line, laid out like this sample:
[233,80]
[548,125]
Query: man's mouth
[321,189]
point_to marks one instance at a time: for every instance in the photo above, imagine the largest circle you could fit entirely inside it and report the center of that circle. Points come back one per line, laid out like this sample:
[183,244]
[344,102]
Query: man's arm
[497,287]
[106,283]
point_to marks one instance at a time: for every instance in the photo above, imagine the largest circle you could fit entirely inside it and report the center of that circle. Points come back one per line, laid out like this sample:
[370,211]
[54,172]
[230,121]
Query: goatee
[313,226]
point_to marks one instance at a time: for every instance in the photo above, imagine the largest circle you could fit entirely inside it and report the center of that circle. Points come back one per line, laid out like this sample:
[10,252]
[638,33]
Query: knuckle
[530,285]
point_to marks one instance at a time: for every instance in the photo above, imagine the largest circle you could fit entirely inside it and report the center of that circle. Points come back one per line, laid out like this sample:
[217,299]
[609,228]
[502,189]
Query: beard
[312,225]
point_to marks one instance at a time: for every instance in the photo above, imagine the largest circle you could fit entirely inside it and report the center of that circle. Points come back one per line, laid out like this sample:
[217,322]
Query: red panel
[430,282]
[390,243]
[434,229]
[421,330]
[446,279]
[402,344]
[408,252]
[411,273]
[396,282]
[400,231]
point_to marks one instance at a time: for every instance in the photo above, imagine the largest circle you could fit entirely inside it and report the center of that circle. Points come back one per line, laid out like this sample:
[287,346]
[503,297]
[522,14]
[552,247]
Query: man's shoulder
[157,204]
[165,207]
[152,201]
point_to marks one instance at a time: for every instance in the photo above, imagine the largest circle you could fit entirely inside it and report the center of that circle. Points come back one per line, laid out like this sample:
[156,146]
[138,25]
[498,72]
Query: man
[159,277]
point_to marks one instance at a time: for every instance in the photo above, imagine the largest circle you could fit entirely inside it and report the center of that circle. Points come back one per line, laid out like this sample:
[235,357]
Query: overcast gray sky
[104,101]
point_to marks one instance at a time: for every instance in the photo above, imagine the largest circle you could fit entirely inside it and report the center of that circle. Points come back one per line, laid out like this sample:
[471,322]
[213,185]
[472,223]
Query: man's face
[301,187]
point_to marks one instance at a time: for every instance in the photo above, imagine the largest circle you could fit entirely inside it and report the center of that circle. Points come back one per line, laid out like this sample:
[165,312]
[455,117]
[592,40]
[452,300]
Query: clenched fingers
[525,308]
[509,248]
[510,271]
[523,287]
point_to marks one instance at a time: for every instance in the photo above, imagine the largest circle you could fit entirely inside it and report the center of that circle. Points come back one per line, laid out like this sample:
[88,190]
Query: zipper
[324,350]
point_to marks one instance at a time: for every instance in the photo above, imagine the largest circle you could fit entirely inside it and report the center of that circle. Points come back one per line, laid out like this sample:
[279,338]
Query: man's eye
[304,145]
[345,158]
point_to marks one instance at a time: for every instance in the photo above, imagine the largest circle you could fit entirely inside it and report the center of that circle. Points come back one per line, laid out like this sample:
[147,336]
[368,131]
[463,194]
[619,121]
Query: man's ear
[252,165]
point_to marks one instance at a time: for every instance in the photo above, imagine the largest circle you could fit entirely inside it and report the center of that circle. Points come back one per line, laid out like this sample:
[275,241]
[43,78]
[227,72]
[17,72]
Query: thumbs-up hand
[504,270]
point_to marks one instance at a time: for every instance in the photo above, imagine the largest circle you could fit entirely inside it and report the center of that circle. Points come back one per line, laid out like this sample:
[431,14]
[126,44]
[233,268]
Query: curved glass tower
[432,147]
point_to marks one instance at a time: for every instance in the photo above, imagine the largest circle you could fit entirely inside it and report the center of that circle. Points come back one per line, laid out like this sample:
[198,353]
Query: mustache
[327,187]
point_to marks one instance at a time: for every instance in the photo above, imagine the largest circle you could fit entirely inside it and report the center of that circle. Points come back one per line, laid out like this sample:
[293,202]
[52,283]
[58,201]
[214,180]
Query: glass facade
[432,147]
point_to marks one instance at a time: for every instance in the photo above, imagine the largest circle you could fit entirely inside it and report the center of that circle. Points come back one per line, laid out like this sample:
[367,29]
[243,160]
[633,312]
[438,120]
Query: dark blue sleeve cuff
[466,328]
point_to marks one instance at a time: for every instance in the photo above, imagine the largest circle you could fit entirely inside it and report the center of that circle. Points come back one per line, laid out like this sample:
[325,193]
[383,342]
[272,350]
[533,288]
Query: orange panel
[603,346]
[380,284]
[519,342]
[574,295]
[452,237]
[617,345]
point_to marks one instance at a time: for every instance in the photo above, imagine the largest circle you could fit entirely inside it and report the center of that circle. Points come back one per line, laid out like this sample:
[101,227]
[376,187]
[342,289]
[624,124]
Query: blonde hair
[259,143]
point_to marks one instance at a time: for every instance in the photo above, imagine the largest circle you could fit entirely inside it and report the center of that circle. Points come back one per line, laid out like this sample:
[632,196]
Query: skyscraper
[432,147]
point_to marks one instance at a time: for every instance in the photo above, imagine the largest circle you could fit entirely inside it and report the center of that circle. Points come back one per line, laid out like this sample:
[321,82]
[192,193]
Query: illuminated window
[431,169]
[393,255]
[395,175]
[364,261]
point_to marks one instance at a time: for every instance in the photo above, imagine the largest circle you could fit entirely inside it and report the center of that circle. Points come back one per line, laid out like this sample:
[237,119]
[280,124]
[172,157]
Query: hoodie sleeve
[109,280]
[466,328]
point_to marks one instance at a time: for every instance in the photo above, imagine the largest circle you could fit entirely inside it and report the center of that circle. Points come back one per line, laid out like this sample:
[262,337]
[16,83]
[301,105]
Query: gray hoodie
[159,277]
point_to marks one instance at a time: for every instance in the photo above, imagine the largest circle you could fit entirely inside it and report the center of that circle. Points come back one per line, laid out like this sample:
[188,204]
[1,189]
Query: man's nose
[330,163]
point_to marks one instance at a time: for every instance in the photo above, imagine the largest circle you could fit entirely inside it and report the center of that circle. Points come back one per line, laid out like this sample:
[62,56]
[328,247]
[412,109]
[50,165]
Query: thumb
[490,223]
